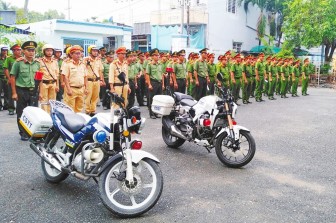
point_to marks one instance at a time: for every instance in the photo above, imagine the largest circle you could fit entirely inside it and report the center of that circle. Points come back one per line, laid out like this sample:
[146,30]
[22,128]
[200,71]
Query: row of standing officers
[84,80]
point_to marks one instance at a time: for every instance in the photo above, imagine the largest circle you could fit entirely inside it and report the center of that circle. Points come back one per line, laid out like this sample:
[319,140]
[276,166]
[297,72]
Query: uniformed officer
[238,76]
[117,67]
[247,85]
[169,84]
[75,78]
[106,65]
[95,77]
[132,76]
[222,67]
[8,64]
[180,73]
[65,61]
[24,89]
[305,76]
[102,54]
[141,90]
[153,79]
[260,71]
[58,58]
[273,76]
[296,77]
[201,75]
[278,83]
[212,73]
[49,84]
[285,75]
[3,80]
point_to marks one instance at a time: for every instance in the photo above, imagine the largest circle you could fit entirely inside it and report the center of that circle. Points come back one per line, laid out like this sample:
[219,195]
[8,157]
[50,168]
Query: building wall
[225,27]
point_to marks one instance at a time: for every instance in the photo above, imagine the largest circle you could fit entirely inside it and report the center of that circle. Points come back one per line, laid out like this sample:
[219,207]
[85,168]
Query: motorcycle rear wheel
[171,141]
[125,200]
[52,174]
[235,158]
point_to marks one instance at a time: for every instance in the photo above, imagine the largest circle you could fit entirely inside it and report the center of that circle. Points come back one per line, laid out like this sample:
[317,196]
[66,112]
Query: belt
[118,84]
[26,88]
[180,79]
[48,82]
[154,80]
[76,87]
[93,79]
[201,77]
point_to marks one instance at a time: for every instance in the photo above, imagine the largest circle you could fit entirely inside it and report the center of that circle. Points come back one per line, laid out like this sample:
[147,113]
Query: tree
[5,5]
[311,23]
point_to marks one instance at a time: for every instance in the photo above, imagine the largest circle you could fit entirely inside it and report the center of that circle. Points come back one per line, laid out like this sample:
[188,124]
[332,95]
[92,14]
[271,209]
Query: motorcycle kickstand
[208,149]
[95,180]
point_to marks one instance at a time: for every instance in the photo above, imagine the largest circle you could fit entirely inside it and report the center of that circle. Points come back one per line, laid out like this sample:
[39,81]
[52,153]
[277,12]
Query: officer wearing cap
[95,77]
[8,64]
[153,79]
[212,73]
[273,73]
[260,71]
[102,54]
[278,83]
[141,90]
[247,86]
[223,68]
[50,80]
[306,71]
[132,76]
[105,99]
[201,75]
[117,67]
[295,78]
[165,63]
[237,71]
[75,79]
[190,69]
[24,89]
[285,75]
[58,58]
[180,72]
[170,85]
[3,79]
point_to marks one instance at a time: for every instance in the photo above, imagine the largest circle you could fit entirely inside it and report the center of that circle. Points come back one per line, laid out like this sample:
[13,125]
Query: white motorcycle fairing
[138,155]
[236,130]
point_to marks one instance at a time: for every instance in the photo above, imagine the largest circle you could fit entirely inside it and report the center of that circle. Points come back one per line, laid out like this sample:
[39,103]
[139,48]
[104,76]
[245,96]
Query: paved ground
[291,178]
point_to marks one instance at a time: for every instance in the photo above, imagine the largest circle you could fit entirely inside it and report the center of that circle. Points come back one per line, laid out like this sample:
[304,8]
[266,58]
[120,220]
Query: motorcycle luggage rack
[57,104]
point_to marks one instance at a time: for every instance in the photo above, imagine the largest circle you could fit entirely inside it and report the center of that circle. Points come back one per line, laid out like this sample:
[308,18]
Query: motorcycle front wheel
[170,140]
[124,199]
[235,156]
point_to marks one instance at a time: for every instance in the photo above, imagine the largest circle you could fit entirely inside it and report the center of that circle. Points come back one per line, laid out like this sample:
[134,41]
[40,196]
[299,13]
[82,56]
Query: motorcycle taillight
[136,144]
[206,122]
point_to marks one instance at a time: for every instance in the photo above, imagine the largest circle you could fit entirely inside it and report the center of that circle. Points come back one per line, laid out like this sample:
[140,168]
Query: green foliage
[286,50]
[311,23]
[325,68]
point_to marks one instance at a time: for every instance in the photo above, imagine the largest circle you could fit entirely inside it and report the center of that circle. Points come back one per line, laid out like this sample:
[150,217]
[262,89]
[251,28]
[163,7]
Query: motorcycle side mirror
[220,77]
[122,77]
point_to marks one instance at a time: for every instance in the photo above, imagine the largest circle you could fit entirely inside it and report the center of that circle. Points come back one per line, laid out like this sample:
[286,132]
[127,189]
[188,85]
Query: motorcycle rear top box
[162,104]
[35,122]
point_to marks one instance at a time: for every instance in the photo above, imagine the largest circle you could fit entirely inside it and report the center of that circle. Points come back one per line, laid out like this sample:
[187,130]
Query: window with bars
[236,46]
[232,6]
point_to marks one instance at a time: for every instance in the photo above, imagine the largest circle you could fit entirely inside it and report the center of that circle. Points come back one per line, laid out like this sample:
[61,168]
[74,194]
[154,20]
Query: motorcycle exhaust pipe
[176,132]
[79,175]
[48,158]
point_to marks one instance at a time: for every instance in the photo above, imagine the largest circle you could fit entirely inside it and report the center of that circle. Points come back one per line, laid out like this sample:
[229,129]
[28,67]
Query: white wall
[225,28]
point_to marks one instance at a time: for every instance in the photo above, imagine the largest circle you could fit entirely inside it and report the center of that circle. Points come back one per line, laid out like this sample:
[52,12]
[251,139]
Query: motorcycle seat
[70,120]
[179,96]
[188,102]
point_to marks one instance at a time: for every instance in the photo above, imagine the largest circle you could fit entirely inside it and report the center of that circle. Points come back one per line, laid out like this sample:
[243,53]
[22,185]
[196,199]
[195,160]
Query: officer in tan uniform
[118,66]
[75,79]
[49,84]
[95,77]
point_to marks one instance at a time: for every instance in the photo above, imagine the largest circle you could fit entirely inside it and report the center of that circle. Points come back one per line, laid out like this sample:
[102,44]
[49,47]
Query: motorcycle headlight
[99,136]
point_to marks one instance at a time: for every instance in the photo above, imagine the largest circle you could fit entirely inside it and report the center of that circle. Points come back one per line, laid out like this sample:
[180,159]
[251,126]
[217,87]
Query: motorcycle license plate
[157,108]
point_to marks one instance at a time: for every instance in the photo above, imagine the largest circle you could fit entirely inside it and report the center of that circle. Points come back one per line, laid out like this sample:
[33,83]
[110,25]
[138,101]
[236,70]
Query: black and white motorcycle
[208,122]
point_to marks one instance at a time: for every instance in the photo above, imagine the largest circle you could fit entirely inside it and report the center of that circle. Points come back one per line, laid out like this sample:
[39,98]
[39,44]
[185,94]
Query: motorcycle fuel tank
[206,104]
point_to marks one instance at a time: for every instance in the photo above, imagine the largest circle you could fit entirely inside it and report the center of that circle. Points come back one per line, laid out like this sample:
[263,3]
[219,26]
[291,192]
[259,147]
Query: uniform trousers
[235,87]
[91,99]
[131,96]
[271,87]
[295,86]
[76,100]
[200,90]
[284,84]
[259,88]
[304,83]
[123,92]
[181,85]
[157,89]
[47,92]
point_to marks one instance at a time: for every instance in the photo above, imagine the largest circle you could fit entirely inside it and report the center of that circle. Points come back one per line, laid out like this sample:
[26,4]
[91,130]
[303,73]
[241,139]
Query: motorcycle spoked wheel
[235,157]
[52,174]
[171,141]
[125,200]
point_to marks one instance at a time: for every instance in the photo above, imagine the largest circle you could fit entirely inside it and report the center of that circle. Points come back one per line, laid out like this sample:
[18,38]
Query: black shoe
[282,96]
[92,114]
[248,102]
[297,95]
[152,116]
[98,105]
[273,98]
[307,94]
[5,108]
[157,115]
[262,100]
[105,108]
[257,100]
[1,108]
[285,96]
[245,102]
[24,137]
[11,112]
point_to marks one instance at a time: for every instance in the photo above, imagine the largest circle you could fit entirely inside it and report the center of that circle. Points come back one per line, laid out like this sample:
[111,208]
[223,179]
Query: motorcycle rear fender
[236,130]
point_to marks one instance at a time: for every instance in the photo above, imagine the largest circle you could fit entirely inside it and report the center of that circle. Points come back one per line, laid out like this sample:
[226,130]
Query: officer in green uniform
[180,72]
[267,67]
[109,59]
[278,83]
[141,90]
[285,75]
[253,63]
[247,87]
[291,74]
[260,70]
[201,75]
[58,57]
[24,89]
[164,64]
[306,70]
[273,74]
[190,69]
[8,64]
[153,80]
[132,77]
[295,78]
[3,79]
[223,68]
[237,71]
[212,73]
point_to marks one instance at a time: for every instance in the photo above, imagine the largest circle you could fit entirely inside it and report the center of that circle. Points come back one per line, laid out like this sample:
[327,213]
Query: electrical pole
[182,2]
[68,9]
[188,28]
[25,9]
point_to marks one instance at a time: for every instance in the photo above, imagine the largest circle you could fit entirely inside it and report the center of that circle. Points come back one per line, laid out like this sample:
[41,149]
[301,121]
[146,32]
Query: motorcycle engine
[184,123]
[201,131]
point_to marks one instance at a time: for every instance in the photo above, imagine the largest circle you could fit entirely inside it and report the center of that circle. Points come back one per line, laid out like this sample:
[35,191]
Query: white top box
[162,104]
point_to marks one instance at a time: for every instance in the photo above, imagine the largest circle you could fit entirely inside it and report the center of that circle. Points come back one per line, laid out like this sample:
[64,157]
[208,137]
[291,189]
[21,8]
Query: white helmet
[47,46]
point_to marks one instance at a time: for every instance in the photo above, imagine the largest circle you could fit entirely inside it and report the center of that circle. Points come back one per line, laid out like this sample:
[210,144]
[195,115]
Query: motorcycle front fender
[236,130]
[138,155]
